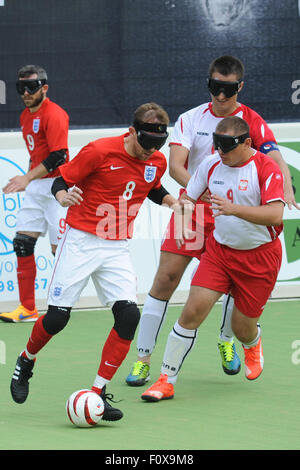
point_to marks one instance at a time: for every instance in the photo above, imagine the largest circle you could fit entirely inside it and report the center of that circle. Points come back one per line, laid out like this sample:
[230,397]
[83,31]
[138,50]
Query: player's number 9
[30,141]
[230,195]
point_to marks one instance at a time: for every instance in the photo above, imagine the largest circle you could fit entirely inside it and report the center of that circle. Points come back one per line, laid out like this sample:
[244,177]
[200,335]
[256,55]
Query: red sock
[114,352]
[39,337]
[26,273]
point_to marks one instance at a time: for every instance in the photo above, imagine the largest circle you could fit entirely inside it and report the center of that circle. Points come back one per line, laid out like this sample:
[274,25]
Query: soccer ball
[85,408]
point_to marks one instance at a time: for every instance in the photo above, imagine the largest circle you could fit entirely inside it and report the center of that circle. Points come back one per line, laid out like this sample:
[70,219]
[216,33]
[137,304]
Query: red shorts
[250,275]
[202,224]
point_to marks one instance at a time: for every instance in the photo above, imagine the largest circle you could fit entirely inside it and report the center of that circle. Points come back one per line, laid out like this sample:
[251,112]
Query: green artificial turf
[210,410]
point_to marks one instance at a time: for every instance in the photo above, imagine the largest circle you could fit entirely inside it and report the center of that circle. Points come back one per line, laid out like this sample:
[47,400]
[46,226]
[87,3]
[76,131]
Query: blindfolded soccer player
[45,128]
[191,142]
[243,253]
[112,178]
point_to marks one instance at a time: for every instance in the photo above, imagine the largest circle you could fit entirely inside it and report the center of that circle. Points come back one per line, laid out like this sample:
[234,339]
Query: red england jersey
[114,186]
[45,131]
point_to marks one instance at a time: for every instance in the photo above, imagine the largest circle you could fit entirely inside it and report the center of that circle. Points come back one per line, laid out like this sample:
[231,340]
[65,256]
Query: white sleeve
[198,182]
[182,132]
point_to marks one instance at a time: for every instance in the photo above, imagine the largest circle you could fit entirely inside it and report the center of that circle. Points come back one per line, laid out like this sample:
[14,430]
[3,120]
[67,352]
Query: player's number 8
[129,190]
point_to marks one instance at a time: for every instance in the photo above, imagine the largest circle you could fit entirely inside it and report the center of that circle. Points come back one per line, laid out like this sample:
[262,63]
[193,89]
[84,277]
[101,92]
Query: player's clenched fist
[69,198]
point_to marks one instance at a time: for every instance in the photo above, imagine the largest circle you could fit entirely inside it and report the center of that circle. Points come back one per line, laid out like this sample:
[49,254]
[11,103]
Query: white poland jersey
[194,128]
[257,182]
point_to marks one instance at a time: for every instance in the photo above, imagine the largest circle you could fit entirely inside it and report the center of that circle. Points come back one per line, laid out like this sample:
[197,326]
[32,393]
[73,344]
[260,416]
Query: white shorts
[40,212]
[81,255]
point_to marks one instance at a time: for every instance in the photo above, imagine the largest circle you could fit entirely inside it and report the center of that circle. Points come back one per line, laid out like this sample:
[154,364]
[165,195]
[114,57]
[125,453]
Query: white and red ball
[85,408]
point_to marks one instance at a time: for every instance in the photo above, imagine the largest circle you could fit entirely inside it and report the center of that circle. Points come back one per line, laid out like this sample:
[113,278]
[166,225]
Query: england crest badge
[36,125]
[150,172]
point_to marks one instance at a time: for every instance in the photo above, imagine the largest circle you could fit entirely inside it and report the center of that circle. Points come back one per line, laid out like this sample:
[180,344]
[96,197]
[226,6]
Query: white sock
[226,333]
[28,355]
[152,318]
[180,343]
[99,382]
[255,341]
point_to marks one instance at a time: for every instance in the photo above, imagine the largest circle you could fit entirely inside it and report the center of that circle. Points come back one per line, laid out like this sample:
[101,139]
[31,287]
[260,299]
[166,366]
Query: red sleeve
[56,129]
[81,165]
[161,168]
[260,132]
[270,179]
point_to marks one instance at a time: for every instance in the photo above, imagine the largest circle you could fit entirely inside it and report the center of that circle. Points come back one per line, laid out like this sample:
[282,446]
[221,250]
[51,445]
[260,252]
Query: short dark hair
[147,110]
[227,65]
[233,123]
[28,70]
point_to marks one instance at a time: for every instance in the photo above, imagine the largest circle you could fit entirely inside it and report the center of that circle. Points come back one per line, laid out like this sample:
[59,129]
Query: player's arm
[183,216]
[267,214]
[289,195]
[65,196]
[19,182]
[54,160]
[177,160]
[161,196]
[267,144]
[196,187]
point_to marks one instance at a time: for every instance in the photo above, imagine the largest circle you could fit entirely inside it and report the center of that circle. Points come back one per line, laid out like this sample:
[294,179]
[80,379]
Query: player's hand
[183,206]
[16,184]
[289,198]
[183,213]
[183,236]
[69,198]
[220,205]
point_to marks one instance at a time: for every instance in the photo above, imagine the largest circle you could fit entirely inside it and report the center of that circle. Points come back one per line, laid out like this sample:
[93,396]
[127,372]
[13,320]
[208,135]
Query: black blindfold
[146,134]
[227,142]
[218,86]
[31,86]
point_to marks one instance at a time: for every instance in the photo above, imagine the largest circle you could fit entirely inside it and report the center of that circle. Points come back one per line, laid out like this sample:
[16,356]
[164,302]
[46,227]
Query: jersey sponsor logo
[243,186]
[218,182]
[150,173]
[36,125]
[115,167]
[202,133]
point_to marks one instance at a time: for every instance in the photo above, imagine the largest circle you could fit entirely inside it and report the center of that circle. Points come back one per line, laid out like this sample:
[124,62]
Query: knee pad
[56,319]
[127,317]
[24,245]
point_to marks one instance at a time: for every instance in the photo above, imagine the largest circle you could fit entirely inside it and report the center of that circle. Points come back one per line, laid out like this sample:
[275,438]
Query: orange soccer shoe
[160,390]
[20,315]
[254,361]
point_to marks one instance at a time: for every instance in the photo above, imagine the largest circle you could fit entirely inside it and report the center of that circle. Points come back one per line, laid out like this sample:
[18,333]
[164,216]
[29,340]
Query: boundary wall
[149,226]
